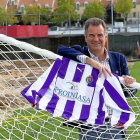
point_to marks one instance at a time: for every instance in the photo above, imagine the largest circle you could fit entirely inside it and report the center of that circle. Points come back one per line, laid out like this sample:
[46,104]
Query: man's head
[95,22]
[95,34]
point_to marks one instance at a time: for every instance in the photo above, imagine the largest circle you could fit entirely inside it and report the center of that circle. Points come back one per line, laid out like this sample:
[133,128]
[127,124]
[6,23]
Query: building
[19,5]
[81,5]
[134,14]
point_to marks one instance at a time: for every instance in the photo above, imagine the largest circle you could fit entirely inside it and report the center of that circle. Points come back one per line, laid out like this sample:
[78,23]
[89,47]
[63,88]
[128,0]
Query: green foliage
[135,71]
[65,7]
[119,19]
[34,17]
[2,15]
[94,9]
[6,17]
[123,6]
[44,18]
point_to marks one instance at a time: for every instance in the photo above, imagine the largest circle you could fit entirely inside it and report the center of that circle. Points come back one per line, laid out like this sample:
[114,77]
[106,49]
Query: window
[39,5]
[22,8]
[78,5]
[134,14]
[126,15]
[47,5]
[8,3]
[134,3]
[12,2]
[119,15]
[85,4]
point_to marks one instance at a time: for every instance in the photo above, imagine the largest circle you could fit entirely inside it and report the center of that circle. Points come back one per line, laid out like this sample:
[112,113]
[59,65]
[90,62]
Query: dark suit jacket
[117,60]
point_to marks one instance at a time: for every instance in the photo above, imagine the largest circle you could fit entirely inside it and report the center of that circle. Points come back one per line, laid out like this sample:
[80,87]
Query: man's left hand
[128,79]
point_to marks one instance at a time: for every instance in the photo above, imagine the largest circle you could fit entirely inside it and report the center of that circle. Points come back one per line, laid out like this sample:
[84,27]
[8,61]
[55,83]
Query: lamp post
[52,4]
[112,15]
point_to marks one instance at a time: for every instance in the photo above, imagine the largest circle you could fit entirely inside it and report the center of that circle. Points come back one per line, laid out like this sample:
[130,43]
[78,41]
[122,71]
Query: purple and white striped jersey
[75,92]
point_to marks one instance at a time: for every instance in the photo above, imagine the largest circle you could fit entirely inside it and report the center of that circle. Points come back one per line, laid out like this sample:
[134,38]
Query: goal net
[21,64]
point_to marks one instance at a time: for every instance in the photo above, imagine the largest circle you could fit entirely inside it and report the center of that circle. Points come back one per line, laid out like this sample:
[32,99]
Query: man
[96,55]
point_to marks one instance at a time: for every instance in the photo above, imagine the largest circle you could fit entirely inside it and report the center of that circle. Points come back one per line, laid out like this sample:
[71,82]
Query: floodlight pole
[69,27]
[52,4]
[39,23]
[112,15]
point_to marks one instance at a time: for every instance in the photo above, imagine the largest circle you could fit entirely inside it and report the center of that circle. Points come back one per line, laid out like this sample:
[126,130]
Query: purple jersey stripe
[30,99]
[116,96]
[52,104]
[86,108]
[63,69]
[37,102]
[70,104]
[124,118]
[118,100]
[84,113]
[78,73]
[61,73]
[68,109]
[50,78]
[94,74]
[101,113]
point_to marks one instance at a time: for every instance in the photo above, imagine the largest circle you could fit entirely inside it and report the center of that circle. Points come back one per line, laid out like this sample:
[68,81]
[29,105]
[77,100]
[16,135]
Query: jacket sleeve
[70,53]
[124,68]
[125,71]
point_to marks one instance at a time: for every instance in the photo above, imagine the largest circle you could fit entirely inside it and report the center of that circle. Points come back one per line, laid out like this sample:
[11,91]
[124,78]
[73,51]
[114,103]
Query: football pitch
[39,125]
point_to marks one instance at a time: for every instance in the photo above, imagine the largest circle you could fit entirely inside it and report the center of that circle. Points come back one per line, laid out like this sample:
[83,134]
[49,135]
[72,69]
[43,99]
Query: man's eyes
[99,35]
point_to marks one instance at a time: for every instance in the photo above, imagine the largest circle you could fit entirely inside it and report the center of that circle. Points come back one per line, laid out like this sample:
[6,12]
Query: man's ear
[106,38]
[85,38]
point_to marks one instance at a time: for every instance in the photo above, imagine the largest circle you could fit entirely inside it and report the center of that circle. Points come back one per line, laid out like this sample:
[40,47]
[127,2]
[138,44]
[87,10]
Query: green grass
[27,123]
[31,122]
[135,72]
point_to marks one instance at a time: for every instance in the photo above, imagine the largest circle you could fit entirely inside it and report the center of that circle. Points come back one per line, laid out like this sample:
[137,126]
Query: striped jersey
[74,91]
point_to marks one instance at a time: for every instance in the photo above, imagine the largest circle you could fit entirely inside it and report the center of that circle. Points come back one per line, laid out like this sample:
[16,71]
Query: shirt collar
[95,57]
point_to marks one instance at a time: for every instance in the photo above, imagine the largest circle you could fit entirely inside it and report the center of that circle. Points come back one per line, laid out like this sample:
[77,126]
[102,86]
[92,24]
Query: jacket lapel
[114,64]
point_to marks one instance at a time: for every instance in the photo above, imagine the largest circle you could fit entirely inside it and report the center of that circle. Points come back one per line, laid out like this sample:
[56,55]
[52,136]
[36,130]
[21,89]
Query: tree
[65,7]
[2,15]
[94,9]
[11,19]
[123,7]
[44,18]
[34,12]
[7,17]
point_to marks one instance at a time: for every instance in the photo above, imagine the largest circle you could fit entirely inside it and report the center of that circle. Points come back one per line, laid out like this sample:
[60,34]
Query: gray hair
[95,22]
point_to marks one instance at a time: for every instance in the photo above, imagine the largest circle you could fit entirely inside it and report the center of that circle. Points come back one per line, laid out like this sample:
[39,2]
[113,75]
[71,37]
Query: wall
[119,43]
[25,31]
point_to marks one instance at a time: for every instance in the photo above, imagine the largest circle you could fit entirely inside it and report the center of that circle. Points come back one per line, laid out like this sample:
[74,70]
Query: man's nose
[96,38]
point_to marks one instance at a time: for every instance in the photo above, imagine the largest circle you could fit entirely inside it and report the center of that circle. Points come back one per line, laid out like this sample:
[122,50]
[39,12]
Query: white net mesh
[18,120]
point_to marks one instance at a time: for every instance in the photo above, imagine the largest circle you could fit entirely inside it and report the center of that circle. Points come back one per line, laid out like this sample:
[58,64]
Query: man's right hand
[100,67]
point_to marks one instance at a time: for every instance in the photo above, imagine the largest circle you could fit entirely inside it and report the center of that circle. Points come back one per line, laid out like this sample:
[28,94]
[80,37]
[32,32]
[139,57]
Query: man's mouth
[96,43]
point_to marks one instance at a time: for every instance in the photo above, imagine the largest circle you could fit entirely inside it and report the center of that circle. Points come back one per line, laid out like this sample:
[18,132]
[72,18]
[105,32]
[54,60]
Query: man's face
[95,38]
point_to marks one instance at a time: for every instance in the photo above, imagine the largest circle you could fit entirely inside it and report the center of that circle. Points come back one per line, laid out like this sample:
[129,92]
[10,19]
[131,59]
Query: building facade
[134,14]
[19,6]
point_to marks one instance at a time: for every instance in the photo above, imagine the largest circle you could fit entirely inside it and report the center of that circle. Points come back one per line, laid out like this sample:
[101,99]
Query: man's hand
[100,67]
[128,79]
